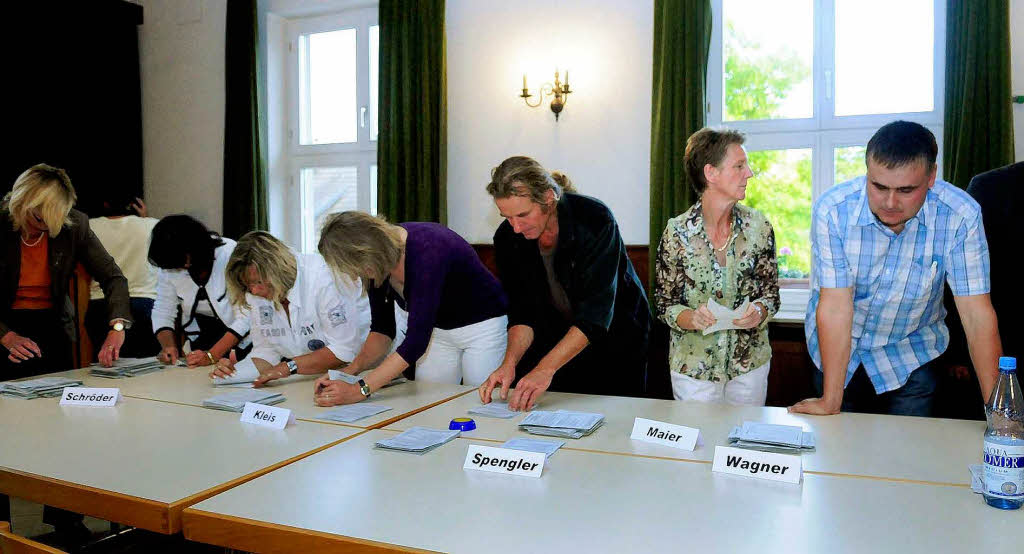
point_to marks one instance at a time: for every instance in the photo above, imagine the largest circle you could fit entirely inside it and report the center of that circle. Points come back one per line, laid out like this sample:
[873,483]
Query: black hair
[177,236]
[900,143]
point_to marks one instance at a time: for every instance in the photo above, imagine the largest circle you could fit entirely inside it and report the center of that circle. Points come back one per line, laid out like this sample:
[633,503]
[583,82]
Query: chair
[15,544]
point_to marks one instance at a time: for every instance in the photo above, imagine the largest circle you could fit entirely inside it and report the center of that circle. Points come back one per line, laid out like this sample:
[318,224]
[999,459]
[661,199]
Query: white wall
[181,51]
[1017,73]
[602,140]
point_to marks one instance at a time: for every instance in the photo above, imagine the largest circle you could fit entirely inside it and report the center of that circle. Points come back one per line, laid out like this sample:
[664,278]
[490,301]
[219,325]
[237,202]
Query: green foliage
[757,83]
[849,162]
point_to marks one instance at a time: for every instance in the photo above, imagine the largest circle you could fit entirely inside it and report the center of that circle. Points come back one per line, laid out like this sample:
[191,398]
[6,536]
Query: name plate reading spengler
[756,464]
[504,460]
[267,416]
[666,434]
[88,396]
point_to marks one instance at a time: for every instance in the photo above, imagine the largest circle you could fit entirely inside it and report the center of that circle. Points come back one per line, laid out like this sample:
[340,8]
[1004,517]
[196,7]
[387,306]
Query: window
[809,82]
[332,119]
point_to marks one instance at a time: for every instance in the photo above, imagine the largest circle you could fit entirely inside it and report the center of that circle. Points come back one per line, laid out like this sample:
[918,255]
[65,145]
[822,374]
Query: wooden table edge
[259,536]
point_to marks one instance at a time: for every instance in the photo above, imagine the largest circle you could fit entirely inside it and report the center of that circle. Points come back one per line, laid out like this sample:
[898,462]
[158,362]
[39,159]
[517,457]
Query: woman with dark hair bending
[192,260]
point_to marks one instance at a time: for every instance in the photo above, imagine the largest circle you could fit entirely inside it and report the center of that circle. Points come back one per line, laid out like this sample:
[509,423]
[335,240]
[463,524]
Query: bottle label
[1004,470]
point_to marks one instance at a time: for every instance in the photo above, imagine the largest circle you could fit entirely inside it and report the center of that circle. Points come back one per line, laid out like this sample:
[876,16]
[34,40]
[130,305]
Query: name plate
[504,460]
[88,396]
[759,465]
[267,416]
[666,434]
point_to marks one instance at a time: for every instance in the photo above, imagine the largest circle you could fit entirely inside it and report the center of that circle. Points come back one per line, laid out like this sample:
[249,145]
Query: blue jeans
[914,398]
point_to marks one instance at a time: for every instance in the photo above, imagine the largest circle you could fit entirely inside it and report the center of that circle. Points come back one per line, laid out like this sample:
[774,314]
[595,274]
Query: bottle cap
[462,424]
[1007,363]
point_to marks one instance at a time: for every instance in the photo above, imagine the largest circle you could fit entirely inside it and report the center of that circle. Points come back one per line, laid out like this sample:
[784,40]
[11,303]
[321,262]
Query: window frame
[823,131]
[361,154]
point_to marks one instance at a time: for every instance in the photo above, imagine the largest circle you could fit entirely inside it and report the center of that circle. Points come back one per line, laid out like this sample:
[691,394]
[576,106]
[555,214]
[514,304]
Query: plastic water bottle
[1004,440]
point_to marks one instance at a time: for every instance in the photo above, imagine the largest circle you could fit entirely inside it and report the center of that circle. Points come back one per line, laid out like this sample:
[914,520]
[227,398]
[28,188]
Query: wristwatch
[760,312]
[120,324]
[364,388]
[293,367]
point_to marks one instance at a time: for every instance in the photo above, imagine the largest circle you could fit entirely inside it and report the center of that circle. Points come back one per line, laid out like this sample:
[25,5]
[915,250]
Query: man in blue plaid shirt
[881,246]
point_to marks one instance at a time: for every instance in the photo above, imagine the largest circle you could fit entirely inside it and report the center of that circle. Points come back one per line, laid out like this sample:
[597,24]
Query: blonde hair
[44,188]
[360,245]
[274,262]
[525,177]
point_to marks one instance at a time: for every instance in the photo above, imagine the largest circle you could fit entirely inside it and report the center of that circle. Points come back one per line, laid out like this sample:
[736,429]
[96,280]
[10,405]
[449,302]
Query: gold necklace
[724,246]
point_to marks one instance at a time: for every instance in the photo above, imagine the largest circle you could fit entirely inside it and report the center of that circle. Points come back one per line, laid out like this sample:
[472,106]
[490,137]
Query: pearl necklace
[26,243]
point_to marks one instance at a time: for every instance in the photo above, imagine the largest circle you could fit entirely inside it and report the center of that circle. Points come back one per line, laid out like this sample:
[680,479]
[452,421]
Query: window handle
[362,117]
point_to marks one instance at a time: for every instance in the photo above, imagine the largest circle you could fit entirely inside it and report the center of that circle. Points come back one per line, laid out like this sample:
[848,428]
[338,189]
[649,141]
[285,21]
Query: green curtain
[412,142]
[245,164]
[978,126]
[682,39]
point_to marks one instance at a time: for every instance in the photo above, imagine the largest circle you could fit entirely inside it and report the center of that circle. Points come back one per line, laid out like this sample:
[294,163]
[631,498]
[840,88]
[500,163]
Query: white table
[895,447]
[190,387]
[354,496]
[140,462]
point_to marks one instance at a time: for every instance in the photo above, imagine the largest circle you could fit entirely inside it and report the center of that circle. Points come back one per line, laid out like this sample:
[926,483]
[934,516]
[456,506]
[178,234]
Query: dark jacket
[73,245]
[608,302]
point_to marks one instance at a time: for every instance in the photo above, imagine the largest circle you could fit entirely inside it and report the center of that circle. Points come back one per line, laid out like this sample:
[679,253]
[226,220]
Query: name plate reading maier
[267,416]
[666,434]
[504,460]
[87,396]
[760,465]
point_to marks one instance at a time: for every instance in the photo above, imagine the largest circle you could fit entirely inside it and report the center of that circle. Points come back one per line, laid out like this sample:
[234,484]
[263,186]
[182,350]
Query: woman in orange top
[41,241]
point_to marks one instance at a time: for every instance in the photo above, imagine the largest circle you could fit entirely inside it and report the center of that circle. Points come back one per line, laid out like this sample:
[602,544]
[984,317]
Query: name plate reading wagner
[88,396]
[267,416]
[666,434]
[759,465]
[504,460]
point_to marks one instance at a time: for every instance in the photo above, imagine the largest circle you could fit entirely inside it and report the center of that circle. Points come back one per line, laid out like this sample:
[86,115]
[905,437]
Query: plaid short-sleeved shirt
[898,316]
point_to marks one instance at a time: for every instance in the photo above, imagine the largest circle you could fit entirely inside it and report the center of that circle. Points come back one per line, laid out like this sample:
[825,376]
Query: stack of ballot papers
[127,367]
[42,387]
[545,447]
[417,439]
[494,409]
[769,437]
[235,400]
[353,412]
[563,423]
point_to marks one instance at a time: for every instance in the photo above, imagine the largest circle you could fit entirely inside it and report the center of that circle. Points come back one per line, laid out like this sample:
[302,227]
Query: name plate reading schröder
[87,396]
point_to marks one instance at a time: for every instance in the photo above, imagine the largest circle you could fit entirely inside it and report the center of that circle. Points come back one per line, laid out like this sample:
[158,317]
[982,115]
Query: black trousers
[44,327]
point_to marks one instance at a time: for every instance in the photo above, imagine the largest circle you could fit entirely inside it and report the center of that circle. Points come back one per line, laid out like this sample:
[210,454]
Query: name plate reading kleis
[760,465]
[666,434]
[87,396]
[267,416]
[504,460]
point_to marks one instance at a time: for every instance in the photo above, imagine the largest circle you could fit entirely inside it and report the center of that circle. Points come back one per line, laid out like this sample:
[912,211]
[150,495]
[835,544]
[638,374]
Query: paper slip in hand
[267,416]
[86,396]
[666,434]
[542,446]
[494,409]
[417,439]
[353,412]
[244,373]
[724,316]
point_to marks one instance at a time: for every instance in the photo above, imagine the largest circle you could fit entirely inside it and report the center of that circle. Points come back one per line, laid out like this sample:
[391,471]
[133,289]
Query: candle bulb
[566,78]
[524,81]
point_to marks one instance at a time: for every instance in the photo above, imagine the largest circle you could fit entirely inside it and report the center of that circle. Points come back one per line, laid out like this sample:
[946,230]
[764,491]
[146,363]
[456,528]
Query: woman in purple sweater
[456,308]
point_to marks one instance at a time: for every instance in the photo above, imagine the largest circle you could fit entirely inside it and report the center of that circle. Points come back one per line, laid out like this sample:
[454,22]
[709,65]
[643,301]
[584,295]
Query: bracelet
[210,356]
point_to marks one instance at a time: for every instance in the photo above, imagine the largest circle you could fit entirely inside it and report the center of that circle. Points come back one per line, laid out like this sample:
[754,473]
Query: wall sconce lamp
[561,93]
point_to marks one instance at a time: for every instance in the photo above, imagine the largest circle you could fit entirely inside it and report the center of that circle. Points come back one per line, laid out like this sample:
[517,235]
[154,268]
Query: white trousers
[464,355]
[749,389]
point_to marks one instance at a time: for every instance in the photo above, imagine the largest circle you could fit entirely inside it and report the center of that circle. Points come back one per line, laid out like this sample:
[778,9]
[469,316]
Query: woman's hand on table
[503,377]
[336,393]
[111,349]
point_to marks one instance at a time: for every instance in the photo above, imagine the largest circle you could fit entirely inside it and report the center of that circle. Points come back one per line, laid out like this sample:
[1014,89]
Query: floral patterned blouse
[688,273]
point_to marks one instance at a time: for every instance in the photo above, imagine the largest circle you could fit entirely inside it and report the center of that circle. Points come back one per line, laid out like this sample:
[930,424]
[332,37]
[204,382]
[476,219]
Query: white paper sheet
[724,316]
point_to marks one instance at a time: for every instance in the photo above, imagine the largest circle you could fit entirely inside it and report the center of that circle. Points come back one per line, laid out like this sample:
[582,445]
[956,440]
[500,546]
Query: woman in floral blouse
[724,252]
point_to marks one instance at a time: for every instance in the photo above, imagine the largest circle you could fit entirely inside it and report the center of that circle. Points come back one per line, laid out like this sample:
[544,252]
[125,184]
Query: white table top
[191,386]
[898,447]
[587,502]
[155,451]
